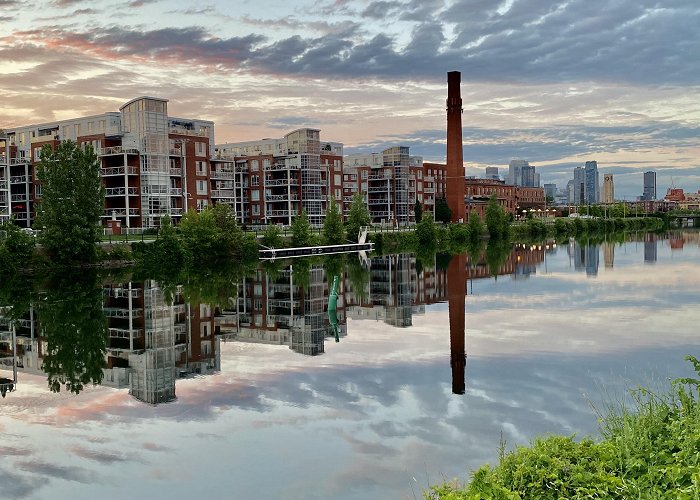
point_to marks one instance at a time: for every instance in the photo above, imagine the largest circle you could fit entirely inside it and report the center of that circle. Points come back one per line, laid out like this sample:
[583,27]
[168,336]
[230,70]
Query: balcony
[20,197]
[175,191]
[20,179]
[20,161]
[120,212]
[122,191]
[217,174]
[177,172]
[279,182]
[116,150]
[112,171]
[223,193]
[193,133]
[281,213]
[120,312]
[124,333]
[282,166]
[281,197]
[379,189]
[20,215]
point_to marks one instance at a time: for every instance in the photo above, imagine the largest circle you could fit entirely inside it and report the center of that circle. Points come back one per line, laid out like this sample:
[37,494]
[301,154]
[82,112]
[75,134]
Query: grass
[649,450]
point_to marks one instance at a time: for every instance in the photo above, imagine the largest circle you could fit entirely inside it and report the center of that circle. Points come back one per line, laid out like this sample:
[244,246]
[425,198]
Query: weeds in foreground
[651,450]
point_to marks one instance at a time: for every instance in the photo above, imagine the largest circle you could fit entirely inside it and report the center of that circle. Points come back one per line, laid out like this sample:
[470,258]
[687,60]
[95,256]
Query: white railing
[279,213]
[116,150]
[176,191]
[121,333]
[223,193]
[278,182]
[121,191]
[182,131]
[19,179]
[216,174]
[19,161]
[20,197]
[281,166]
[176,171]
[109,171]
[281,197]
[118,312]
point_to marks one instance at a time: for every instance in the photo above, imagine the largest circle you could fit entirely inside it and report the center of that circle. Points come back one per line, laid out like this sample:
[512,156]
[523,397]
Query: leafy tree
[215,235]
[272,237]
[71,204]
[426,231]
[301,231]
[75,330]
[333,231]
[358,216]
[418,210]
[476,227]
[496,219]
[443,212]
[497,252]
[16,249]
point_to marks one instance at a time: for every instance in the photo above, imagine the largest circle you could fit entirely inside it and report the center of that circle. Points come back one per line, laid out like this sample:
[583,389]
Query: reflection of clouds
[67,473]
[99,456]
[13,485]
[10,451]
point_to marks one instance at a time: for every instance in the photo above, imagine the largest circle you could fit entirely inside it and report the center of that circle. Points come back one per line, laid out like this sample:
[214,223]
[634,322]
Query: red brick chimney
[455,163]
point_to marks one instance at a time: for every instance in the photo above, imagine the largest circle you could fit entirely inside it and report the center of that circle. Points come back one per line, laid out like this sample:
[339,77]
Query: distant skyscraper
[492,173]
[528,176]
[650,248]
[550,190]
[608,189]
[649,185]
[515,172]
[592,183]
[579,185]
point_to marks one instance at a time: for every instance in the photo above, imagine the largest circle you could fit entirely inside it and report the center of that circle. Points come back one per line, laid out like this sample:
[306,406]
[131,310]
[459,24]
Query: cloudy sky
[556,83]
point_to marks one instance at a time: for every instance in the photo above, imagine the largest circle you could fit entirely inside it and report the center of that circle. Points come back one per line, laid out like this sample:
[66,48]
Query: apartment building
[270,181]
[391,182]
[152,164]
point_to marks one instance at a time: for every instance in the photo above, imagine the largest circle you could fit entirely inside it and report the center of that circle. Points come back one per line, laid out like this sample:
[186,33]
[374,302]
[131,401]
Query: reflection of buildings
[286,309]
[650,241]
[393,286]
[150,341]
[585,257]
[8,356]
[608,254]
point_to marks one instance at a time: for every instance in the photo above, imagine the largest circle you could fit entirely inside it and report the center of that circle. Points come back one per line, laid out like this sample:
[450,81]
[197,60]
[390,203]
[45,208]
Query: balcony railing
[223,193]
[20,179]
[123,333]
[121,191]
[116,150]
[176,171]
[175,191]
[216,174]
[20,197]
[281,197]
[120,212]
[110,171]
[182,131]
[120,312]
[279,182]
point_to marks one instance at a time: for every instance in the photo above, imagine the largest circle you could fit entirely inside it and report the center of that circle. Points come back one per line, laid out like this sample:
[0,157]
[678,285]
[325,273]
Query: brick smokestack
[455,163]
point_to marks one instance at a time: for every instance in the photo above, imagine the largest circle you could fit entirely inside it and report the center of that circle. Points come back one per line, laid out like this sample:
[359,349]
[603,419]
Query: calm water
[257,400]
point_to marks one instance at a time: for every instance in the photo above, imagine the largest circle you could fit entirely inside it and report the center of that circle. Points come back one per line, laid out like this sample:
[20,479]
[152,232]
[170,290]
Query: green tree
[71,204]
[16,249]
[425,231]
[75,329]
[476,227]
[418,210]
[333,230]
[358,216]
[496,219]
[215,234]
[272,237]
[443,213]
[301,231]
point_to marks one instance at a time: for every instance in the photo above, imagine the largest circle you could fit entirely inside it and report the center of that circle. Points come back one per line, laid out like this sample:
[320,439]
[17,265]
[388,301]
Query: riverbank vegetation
[651,450]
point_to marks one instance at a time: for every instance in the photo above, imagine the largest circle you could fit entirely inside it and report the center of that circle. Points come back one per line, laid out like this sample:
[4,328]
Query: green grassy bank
[651,450]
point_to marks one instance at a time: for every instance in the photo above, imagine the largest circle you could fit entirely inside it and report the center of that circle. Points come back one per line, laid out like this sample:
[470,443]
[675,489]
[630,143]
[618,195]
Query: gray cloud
[534,41]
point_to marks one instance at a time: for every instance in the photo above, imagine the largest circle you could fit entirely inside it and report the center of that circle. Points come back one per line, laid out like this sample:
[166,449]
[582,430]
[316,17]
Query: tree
[16,249]
[72,202]
[443,212]
[476,227]
[358,216]
[496,219]
[75,329]
[418,210]
[333,230]
[301,231]
[425,231]
[272,237]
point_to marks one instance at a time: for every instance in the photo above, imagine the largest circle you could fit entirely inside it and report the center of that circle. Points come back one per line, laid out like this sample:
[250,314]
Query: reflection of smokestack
[456,280]
[455,163]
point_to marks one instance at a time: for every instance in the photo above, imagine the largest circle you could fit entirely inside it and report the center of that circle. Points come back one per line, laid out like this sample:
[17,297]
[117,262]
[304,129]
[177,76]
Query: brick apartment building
[152,164]
[271,181]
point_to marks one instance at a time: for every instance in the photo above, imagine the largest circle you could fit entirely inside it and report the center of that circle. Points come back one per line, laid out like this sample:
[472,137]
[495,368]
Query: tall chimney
[455,163]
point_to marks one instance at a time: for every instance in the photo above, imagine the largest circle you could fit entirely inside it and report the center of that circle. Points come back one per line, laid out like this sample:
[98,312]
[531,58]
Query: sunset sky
[555,83]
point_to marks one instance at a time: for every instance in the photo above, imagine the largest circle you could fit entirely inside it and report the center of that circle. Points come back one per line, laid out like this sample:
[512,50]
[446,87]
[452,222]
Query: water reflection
[143,336]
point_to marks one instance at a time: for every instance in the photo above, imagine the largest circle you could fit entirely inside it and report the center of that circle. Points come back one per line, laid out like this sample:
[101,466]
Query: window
[200,148]
[201,167]
[266,163]
[255,195]
[201,187]
[37,154]
[91,126]
[202,204]
[102,124]
[255,165]
[336,179]
[77,129]
[364,174]
[254,180]
[256,209]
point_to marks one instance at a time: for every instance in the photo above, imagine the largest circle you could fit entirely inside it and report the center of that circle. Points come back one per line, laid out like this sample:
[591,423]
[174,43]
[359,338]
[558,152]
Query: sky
[554,83]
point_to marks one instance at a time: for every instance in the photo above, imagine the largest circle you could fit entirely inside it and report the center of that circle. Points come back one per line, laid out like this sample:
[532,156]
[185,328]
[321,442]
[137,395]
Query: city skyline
[557,85]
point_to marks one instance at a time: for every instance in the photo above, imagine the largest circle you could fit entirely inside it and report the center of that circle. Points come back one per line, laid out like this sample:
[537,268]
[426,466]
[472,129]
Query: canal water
[436,360]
